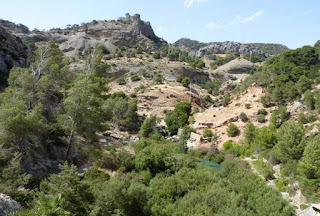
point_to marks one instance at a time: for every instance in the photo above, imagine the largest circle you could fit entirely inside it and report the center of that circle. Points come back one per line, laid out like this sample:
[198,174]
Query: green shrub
[121,81]
[226,99]
[158,79]
[208,98]
[207,133]
[244,117]
[185,82]
[261,118]
[262,112]
[156,55]
[233,130]
[264,168]
[135,78]
[195,110]
[231,148]
[179,79]
[216,157]
[148,126]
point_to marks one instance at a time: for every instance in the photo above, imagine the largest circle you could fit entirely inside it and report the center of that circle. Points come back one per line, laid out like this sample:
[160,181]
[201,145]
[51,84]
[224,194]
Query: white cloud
[253,17]
[161,29]
[239,19]
[213,25]
[188,3]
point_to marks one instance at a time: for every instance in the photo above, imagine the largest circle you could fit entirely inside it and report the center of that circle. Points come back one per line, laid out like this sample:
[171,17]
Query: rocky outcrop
[13,52]
[192,74]
[228,48]
[14,28]
[8,205]
[313,210]
[236,66]
[77,39]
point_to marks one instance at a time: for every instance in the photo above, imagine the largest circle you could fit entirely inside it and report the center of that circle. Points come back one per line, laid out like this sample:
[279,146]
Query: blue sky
[290,22]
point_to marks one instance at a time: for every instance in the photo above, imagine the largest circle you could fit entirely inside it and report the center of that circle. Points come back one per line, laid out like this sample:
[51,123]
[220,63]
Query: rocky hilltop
[229,47]
[13,52]
[14,28]
[75,40]
[195,47]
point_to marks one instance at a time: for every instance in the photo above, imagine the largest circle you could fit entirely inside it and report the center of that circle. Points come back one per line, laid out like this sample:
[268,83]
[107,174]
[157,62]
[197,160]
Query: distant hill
[270,48]
[75,40]
[189,45]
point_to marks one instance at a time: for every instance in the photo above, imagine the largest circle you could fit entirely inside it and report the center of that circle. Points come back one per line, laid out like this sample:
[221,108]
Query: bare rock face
[228,48]
[13,52]
[236,66]
[77,39]
[8,205]
[195,76]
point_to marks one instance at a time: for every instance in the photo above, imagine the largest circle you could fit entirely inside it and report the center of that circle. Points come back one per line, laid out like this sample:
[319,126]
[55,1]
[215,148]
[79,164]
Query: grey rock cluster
[8,205]
[228,48]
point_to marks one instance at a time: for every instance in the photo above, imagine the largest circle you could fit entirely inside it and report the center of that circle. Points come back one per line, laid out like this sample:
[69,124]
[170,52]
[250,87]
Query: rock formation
[8,205]
[13,52]
[228,48]
[77,39]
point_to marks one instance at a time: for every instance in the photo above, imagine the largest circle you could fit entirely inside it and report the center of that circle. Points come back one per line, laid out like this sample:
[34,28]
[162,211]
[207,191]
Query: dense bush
[185,82]
[261,118]
[232,130]
[291,142]
[121,81]
[262,112]
[291,74]
[243,117]
[135,78]
[264,168]
[207,133]
[309,170]
[148,126]
[226,99]
[156,55]
[179,117]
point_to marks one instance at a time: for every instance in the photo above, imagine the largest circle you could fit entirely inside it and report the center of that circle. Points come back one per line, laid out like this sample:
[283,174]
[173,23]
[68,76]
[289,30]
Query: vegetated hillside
[51,116]
[189,45]
[270,48]
[142,130]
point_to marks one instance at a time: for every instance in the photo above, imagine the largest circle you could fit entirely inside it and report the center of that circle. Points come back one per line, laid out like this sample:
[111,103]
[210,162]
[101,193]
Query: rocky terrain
[75,40]
[143,68]
[236,66]
[229,47]
[8,205]
[13,52]
[194,47]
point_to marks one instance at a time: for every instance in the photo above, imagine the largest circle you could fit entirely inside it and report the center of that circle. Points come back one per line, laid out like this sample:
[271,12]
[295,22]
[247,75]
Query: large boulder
[236,66]
[8,205]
